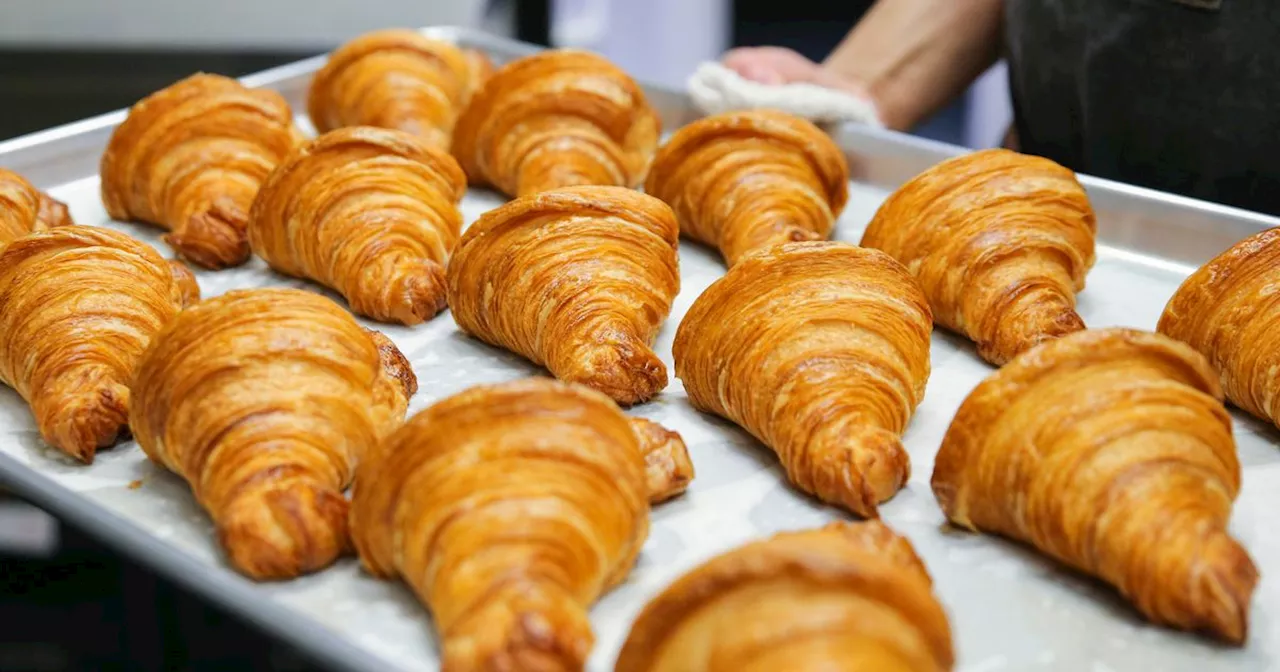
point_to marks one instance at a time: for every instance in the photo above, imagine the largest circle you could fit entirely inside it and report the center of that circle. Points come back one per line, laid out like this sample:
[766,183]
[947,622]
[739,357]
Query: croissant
[397,79]
[577,280]
[370,212]
[78,304]
[743,181]
[508,509]
[821,351]
[1229,310]
[1110,451]
[24,209]
[559,118]
[264,401]
[1000,242]
[190,159]
[668,469]
[848,596]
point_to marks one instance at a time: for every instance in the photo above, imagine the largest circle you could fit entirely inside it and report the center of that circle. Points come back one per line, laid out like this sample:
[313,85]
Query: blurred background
[68,603]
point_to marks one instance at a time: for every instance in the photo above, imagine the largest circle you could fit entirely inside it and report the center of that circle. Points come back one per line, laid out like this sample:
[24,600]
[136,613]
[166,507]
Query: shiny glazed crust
[1000,242]
[744,181]
[372,213]
[1110,451]
[264,401]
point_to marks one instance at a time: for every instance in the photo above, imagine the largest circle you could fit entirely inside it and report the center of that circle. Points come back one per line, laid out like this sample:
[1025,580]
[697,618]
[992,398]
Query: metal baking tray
[1010,609]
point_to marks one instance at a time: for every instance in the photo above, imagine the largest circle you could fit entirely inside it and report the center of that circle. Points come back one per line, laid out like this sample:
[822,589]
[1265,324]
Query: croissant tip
[87,421]
[283,533]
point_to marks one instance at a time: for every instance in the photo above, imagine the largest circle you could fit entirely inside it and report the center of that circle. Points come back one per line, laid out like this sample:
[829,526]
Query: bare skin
[910,57]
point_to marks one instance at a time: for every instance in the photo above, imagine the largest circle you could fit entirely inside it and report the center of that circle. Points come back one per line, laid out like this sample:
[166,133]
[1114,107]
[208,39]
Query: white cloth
[715,88]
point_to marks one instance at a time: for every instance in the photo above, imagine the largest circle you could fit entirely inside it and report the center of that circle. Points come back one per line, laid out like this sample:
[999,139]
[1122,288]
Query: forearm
[914,56]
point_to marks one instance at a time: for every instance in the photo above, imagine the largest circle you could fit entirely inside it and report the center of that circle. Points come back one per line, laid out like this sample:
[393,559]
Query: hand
[779,65]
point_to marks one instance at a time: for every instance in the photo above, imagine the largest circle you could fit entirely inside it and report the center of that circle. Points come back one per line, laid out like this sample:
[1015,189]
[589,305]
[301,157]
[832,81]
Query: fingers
[771,65]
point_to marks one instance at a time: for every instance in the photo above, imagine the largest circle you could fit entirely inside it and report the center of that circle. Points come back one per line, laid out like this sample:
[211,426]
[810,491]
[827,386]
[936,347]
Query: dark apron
[1177,95]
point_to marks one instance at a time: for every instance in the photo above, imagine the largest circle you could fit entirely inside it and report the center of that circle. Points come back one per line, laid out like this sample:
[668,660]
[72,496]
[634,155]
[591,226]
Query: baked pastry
[668,469]
[577,280]
[821,351]
[743,181]
[264,401]
[397,79]
[24,209]
[559,118]
[370,212]
[1228,310]
[848,596]
[78,304]
[508,509]
[1000,242]
[1109,451]
[191,157]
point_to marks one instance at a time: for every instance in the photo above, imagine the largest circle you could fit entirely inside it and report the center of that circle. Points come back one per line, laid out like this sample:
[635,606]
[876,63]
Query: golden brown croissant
[508,509]
[668,469]
[577,280]
[1229,310]
[821,351]
[1000,242]
[78,304]
[190,159]
[848,596]
[559,118]
[1110,451]
[397,79]
[742,181]
[370,212]
[264,401]
[24,209]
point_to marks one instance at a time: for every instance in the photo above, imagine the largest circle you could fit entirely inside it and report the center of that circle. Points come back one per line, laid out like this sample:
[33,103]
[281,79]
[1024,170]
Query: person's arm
[911,57]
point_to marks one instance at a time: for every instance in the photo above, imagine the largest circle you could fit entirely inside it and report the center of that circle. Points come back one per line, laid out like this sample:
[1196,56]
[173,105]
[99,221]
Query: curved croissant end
[190,158]
[667,466]
[1000,242]
[848,596]
[1229,310]
[821,351]
[1110,451]
[559,118]
[397,79]
[24,209]
[509,509]
[264,401]
[370,212]
[78,305]
[745,181]
[577,280]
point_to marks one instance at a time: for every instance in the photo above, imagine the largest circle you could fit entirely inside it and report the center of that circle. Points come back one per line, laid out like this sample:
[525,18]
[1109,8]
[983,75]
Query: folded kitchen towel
[715,89]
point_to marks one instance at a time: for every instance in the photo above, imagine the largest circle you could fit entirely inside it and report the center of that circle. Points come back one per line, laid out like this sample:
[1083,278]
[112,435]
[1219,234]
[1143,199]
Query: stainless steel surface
[1010,609]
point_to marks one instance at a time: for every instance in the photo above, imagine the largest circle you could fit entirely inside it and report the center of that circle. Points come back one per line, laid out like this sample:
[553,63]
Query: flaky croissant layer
[508,509]
[264,401]
[397,79]
[1229,310]
[370,212]
[24,209]
[78,305]
[577,280]
[745,181]
[558,118]
[1000,243]
[848,596]
[1110,451]
[821,351]
[191,157]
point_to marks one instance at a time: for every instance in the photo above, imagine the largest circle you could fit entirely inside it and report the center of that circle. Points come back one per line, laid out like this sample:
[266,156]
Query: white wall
[217,23]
